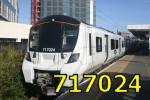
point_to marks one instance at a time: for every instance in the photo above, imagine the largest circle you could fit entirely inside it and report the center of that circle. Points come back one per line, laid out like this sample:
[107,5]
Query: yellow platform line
[121,64]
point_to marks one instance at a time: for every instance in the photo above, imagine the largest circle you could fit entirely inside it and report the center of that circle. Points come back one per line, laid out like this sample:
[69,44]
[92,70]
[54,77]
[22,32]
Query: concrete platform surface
[127,65]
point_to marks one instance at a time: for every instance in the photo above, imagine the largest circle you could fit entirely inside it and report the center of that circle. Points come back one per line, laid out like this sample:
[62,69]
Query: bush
[11,84]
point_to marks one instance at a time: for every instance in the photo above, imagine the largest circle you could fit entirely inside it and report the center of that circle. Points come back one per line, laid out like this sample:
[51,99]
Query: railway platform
[132,64]
[128,65]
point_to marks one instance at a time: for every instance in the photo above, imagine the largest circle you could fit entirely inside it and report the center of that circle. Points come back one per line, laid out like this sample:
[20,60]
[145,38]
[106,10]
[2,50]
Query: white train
[63,45]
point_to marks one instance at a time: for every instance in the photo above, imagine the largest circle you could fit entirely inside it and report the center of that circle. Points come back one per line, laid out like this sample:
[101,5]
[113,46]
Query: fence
[17,45]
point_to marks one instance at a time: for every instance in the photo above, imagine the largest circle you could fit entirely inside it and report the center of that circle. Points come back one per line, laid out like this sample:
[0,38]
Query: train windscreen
[53,37]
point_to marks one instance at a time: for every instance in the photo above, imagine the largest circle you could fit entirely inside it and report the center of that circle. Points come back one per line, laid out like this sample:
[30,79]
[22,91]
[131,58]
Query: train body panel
[62,45]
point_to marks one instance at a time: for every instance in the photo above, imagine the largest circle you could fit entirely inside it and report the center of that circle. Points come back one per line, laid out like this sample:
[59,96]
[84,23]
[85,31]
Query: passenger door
[90,60]
[89,49]
[106,48]
[112,48]
[120,46]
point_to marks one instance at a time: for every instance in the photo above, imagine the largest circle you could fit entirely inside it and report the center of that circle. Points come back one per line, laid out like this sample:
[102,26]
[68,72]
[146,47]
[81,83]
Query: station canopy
[140,31]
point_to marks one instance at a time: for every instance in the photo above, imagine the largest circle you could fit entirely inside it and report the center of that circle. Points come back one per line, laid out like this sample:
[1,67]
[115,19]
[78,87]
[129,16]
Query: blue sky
[111,14]
[24,11]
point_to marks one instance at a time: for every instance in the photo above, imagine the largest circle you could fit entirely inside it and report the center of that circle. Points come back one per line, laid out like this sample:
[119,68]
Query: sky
[113,15]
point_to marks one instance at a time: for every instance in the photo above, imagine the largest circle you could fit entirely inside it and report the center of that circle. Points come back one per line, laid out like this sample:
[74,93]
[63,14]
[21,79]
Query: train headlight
[27,56]
[73,58]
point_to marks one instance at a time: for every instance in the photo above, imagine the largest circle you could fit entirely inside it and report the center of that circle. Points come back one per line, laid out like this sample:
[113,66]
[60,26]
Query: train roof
[106,30]
[61,18]
[67,19]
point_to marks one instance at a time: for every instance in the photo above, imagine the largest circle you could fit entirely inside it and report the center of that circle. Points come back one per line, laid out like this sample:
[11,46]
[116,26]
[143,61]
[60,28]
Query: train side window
[116,44]
[112,44]
[90,45]
[98,44]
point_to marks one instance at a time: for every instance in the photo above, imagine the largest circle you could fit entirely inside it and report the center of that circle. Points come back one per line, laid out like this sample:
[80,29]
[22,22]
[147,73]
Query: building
[9,10]
[15,33]
[35,11]
[83,10]
[124,34]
